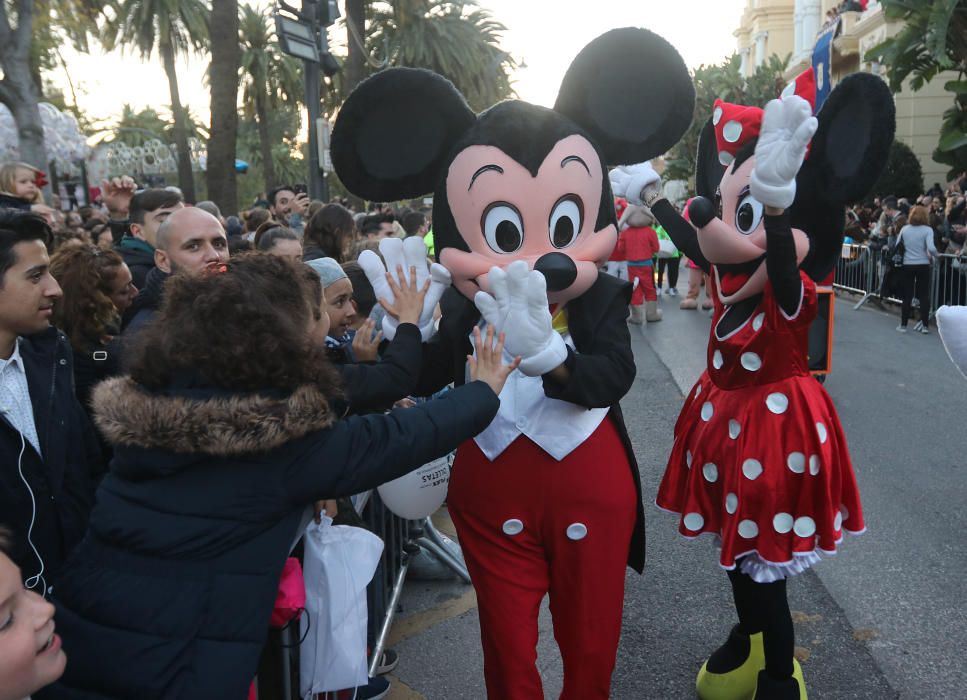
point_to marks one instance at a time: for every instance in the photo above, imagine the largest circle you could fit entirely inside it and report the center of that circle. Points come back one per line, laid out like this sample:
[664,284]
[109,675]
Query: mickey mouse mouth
[733,277]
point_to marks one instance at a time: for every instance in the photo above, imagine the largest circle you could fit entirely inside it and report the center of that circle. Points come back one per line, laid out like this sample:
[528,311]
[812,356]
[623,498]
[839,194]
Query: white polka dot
[731,503]
[716,116]
[796,461]
[513,527]
[693,521]
[782,523]
[752,468]
[821,429]
[710,472]
[734,429]
[751,361]
[688,458]
[757,321]
[838,521]
[732,131]
[698,391]
[748,529]
[805,526]
[717,360]
[814,464]
[777,402]
[790,89]
[577,531]
[725,158]
[707,411]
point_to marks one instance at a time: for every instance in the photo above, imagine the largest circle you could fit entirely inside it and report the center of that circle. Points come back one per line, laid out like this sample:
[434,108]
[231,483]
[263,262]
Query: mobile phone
[300,188]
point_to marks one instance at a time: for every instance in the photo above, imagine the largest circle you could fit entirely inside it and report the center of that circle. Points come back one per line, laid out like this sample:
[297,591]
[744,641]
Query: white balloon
[420,493]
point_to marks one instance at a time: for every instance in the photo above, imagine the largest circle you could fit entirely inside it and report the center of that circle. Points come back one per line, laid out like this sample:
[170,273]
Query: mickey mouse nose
[700,211]
[558,269]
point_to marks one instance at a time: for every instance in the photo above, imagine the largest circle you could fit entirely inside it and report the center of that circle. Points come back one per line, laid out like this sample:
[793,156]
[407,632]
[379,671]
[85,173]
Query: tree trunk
[185,178]
[356,60]
[17,88]
[265,140]
[223,30]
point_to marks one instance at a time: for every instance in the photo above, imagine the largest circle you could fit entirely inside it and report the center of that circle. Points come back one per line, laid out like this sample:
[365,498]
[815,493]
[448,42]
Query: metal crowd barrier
[865,271]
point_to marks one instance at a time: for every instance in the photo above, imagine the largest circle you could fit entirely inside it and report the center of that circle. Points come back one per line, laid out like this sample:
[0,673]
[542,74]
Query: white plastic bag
[339,563]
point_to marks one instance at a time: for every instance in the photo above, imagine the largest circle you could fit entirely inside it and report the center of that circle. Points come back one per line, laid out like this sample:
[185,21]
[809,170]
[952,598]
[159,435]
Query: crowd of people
[914,245]
[143,322]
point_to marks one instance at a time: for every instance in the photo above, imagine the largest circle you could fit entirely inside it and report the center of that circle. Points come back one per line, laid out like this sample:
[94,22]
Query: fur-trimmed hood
[219,426]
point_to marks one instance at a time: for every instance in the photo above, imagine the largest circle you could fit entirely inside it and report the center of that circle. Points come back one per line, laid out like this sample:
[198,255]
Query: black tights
[763,607]
[670,264]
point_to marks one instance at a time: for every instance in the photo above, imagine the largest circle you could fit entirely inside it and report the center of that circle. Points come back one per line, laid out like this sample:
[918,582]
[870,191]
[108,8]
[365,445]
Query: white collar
[14,358]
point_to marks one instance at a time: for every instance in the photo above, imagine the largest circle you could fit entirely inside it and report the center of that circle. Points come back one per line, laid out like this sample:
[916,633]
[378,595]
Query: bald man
[188,241]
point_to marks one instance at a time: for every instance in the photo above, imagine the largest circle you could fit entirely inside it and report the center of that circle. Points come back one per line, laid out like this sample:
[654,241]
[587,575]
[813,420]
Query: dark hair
[273,193]
[363,293]
[238,245]
[151,200]
[269,238]
[328,229]
[18,226]
[86,274]
[244,329]
[412,221]
[372,223]
[255,218]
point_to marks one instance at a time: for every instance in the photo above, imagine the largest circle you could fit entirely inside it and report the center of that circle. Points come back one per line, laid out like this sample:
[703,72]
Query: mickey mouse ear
[394,133]
[630,90]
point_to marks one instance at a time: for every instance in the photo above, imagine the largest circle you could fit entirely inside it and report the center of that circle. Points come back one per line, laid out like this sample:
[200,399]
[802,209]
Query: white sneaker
[901,329]
[673,292]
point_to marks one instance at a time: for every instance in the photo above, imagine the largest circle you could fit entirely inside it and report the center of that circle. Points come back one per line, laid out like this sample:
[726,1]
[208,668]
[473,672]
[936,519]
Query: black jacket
[9,202]
[375,387]
[145,306]
[60,480]
[602,370]
[170,593]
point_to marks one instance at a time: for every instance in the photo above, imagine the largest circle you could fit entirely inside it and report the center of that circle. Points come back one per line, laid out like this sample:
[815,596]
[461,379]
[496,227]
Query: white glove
[952,324]
[639,184]
[787,127]
[407,253]
[520,311]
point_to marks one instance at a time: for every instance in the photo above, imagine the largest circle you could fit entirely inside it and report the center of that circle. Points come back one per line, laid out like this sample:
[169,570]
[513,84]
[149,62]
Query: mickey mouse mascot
[760,460]
[547,499]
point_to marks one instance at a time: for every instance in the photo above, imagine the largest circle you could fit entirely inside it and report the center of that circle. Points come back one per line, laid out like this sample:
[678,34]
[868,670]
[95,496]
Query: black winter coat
[61,479]
[170,593]
[145,306]
[377,386]
[10,202]
[602,370]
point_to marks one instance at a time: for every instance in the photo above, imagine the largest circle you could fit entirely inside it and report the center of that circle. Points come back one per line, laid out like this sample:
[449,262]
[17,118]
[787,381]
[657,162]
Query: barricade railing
[948,282]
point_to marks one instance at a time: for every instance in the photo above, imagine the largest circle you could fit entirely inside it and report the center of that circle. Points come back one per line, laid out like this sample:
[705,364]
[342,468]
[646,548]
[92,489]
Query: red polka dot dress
[760,459]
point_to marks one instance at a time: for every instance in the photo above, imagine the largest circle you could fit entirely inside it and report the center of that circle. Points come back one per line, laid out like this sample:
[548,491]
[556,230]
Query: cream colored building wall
[766,28]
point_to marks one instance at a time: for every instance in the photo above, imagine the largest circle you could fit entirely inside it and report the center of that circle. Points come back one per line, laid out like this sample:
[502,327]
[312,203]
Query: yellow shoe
[790,689]
[738,684]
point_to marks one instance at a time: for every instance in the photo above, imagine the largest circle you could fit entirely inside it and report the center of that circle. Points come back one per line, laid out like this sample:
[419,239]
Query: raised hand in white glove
[639,184]
[519,310]
[406,255]
[787,127]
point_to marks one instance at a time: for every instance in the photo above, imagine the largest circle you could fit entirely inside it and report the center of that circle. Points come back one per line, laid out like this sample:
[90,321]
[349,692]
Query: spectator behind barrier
[47,448]
[281,241]
[205,496]
[148,210]
[329,233]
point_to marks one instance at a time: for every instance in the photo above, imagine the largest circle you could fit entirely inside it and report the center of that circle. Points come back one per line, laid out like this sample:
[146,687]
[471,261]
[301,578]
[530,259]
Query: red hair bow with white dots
[736,125]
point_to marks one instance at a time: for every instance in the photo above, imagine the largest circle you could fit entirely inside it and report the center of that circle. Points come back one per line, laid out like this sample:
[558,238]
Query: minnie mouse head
[518,181]
[846,155]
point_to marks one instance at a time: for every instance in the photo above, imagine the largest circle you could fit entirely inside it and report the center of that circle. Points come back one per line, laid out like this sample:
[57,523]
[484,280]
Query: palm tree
[454,38]
[172,28]
[220,174]
[269,79]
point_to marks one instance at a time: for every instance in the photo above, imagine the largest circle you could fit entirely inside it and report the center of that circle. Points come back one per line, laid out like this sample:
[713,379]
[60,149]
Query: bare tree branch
[6,96]
[4,25]
[25,17]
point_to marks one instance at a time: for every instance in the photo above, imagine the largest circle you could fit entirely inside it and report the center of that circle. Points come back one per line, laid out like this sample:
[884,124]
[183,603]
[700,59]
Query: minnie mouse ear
[630,90]
[708,167]
[394,133]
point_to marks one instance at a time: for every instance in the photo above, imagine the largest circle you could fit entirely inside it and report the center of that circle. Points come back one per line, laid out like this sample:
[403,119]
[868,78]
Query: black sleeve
[362,452]
[119,227]
[448,345]
[681,232]
[376,386]
[781,264]
[600,377]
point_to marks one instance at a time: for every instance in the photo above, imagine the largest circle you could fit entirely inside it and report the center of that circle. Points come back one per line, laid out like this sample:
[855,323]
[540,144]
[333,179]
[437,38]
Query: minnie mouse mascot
[547,499]
[760,459]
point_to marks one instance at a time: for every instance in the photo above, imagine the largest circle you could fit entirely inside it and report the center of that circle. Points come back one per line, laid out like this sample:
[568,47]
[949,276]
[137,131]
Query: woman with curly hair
[224,437]
[97,289]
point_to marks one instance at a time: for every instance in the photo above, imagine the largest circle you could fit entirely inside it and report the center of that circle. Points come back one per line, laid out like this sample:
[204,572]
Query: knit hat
[329,270]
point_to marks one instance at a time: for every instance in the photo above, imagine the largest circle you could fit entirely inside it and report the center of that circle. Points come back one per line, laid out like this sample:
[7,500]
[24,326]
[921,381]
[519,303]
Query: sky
[543,35]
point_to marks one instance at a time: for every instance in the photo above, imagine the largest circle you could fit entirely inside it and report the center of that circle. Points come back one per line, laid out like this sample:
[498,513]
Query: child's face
[342,313]
[30,653]
[25,185]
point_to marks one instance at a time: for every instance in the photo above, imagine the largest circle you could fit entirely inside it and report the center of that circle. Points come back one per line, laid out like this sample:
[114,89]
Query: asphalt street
[883,619]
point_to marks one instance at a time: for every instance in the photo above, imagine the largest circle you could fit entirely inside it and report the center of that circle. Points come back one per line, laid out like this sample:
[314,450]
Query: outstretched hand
[639,183]
[488,364]
[407,300]
[365,343]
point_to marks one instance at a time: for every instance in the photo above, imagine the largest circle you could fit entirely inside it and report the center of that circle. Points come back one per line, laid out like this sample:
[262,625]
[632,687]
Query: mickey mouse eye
[748,214]
[565,221]
[503,227]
